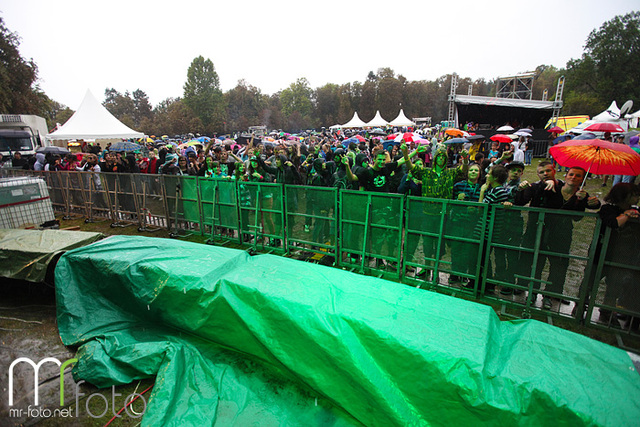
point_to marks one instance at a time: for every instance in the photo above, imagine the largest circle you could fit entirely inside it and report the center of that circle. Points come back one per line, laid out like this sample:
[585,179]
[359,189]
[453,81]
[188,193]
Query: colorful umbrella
[604,127]
[348,141]
[597,156]
[125,146]
[407,136]
[190,144]
[555,129]
[500,138]
[454,132]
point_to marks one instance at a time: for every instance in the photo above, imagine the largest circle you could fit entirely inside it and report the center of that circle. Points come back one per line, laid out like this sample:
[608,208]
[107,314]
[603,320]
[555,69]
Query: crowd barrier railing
[522,258]
[613,287]
[311,219]
[371,232]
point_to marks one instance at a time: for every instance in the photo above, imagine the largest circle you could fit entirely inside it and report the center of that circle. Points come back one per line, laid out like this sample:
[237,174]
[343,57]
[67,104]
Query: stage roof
[503,102]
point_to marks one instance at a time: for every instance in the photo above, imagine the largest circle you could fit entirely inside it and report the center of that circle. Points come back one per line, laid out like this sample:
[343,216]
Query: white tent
[401,120]
[377,121]
[634,119]
[93,121]
[610,115]
[355,122]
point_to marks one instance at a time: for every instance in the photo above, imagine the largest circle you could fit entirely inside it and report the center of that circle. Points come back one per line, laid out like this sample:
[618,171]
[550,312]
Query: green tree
[181,119]
[244,105]
[327,103]
[141,107]
[297,97]
[367,105]
[19,93]
[609,67]
[202,94]
[389,93]
[271,116]
[121,106]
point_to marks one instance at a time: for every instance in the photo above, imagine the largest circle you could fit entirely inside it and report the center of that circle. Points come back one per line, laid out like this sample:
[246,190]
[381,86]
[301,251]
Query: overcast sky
[149,45]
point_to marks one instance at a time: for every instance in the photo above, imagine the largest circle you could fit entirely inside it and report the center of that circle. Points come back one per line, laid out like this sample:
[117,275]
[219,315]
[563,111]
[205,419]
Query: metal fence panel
[615,294]
[445,236]
[219,207]
[263,213]
[311,218]
[150,202]
[371,231]
[182,204]
[548,253]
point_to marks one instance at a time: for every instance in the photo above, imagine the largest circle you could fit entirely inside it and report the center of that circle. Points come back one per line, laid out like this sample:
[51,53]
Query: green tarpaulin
[26,254]
[226,333]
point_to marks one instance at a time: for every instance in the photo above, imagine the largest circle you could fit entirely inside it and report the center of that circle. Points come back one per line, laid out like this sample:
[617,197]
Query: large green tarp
[26,254]
[226,333]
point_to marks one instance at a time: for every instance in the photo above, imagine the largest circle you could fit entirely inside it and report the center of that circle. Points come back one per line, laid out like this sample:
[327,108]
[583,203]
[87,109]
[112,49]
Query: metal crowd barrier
[515,257]
[311,219]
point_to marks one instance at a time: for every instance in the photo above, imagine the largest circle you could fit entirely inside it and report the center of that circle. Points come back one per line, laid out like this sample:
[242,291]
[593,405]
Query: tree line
[609,69]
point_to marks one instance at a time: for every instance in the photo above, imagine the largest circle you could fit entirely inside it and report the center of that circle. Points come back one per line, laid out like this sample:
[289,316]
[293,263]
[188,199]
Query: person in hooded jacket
[283,172]
[40,162]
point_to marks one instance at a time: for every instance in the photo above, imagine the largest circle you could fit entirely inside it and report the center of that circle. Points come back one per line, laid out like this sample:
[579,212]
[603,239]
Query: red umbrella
[407,136]
[556,129]
[501,138]
[597,156]
[360,138]
[604,127]
[392,136]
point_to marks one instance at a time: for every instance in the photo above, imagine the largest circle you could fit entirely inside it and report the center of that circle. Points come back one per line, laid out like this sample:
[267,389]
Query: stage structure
[519,86]
[513,105]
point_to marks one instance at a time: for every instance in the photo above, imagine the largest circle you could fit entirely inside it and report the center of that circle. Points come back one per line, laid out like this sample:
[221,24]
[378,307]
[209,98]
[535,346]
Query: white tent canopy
[377,121]
[634,119]
[93,121]
[610,115]
[401,120]
[355,122]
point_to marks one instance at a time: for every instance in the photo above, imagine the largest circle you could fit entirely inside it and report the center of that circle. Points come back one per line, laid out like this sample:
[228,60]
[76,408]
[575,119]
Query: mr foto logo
[40,412]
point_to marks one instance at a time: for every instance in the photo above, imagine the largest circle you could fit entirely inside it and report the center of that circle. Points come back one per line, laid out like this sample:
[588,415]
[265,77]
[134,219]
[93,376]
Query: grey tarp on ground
[26,254]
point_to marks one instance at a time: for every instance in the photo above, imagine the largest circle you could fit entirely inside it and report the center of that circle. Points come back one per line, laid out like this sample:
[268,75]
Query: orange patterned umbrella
[597,156]
[454,132]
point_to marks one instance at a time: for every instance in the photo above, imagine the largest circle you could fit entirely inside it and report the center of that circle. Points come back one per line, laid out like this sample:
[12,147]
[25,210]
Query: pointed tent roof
[355,122]
[377,121]
[610,115]
[402,120]
[93,121]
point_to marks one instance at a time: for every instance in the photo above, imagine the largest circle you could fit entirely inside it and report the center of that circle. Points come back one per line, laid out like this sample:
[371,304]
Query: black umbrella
[52,150]
[586,135]
[377,131]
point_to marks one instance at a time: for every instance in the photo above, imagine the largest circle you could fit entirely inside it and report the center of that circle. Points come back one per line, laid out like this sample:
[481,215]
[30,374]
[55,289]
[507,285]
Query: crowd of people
[428,167]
